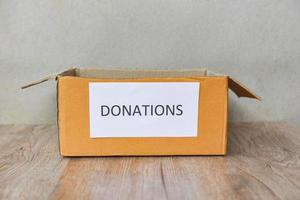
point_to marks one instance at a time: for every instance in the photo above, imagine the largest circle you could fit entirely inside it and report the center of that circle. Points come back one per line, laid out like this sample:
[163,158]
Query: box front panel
[74,122]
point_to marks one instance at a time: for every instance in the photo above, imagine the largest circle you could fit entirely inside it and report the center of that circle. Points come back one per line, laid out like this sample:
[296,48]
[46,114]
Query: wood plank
[269,153]
[262,163]
[30,165]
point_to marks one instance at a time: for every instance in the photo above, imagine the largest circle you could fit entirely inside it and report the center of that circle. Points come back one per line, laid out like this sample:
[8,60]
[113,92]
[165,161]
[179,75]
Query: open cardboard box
[74,119]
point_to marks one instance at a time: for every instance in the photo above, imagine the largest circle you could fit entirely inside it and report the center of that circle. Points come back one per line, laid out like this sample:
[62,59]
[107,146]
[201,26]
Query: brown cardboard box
[73,113]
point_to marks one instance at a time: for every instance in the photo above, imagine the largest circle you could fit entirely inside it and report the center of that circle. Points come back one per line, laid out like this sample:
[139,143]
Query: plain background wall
[256,41]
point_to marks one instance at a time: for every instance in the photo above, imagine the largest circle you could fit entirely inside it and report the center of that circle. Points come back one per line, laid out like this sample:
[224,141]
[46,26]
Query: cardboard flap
[68,72]
[240,90]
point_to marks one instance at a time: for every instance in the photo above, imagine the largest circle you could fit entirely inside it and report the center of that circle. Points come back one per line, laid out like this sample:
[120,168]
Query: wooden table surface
[262,163]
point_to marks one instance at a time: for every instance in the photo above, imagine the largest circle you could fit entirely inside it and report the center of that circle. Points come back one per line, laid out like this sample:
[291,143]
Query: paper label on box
[143,109]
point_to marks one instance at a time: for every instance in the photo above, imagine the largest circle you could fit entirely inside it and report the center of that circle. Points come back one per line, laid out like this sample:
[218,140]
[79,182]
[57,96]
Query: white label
[140,109]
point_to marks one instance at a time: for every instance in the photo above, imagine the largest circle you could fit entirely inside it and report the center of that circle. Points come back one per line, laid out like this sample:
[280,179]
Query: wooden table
[262,163]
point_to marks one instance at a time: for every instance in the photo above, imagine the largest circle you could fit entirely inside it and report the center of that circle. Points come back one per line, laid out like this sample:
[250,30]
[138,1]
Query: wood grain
[262,163]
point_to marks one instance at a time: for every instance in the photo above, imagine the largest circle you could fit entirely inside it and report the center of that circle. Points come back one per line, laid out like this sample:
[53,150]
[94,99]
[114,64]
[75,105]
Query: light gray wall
[256,41]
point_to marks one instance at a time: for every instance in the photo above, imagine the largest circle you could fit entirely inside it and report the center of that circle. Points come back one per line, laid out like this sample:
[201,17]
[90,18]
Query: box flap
[240,90]
[123,73]
[68,72]
[235,86]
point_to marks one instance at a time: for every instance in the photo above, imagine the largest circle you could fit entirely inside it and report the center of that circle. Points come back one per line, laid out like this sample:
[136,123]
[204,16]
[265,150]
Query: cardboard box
[74,93]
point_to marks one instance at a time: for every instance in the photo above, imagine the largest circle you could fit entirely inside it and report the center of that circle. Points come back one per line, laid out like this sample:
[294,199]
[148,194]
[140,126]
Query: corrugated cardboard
[73,113]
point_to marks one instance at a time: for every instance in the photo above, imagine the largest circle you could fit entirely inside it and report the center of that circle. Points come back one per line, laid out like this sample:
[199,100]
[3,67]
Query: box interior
[105,73]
